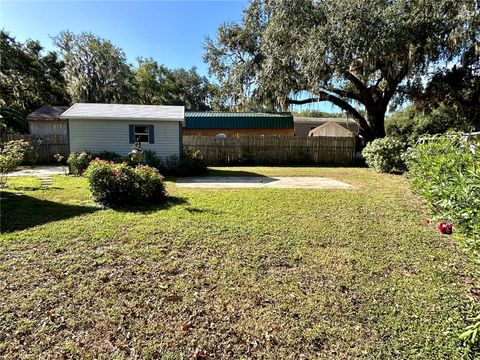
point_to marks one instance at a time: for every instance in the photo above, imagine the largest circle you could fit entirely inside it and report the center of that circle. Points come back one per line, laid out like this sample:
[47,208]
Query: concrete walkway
[39,171]
[288,182]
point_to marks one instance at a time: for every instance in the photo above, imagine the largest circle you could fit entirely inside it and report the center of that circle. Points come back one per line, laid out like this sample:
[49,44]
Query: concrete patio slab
[39,171]
[287,182]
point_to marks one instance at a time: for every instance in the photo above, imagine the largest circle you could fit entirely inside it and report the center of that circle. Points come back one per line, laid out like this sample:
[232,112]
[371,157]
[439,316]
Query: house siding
[113,135]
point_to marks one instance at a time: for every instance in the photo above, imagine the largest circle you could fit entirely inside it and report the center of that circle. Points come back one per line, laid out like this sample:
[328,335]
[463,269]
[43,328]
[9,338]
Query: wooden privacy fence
[272,150]
[45,147]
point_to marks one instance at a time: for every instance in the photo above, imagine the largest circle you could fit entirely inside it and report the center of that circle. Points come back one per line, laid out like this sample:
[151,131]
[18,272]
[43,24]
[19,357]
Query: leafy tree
[28,79]
[343,51]
[152,83]
[319,114]
[96,70]
[458,88]
[411,123]
[191,89]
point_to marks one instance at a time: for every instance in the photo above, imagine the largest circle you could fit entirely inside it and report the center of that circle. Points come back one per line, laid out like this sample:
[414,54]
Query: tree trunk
[377,124]
[376,120]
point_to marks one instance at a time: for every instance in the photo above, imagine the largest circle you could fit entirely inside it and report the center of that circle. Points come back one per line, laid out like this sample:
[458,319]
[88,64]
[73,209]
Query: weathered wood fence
[272,150]
[45,147]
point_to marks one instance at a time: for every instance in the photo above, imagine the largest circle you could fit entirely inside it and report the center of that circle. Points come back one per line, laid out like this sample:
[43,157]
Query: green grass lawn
[250,273]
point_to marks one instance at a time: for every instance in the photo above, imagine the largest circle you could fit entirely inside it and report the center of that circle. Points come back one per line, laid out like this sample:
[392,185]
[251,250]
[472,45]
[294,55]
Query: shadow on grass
[19,212]
[169,202]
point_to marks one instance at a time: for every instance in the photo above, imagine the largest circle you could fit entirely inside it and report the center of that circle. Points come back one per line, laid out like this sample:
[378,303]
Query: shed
[237,124]
[331,129]
[46,121]
[116,127]
[304,124]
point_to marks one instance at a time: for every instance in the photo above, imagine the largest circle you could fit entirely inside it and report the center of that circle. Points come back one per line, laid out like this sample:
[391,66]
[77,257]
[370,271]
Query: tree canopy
[28,79]
[356,54]
[95,69]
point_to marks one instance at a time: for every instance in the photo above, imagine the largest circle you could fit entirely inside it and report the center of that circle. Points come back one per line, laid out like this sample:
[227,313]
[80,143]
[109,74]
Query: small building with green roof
[237,124]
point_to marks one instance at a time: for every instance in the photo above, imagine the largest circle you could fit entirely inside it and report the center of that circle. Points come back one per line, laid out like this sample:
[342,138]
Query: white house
[115,127]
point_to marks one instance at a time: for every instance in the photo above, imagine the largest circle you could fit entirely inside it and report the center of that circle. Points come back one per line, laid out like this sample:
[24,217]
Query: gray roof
[124,112]
[47,112]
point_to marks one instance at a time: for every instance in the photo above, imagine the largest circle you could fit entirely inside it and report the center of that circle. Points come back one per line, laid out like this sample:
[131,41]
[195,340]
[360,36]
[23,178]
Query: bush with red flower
[446,173]
[121,184]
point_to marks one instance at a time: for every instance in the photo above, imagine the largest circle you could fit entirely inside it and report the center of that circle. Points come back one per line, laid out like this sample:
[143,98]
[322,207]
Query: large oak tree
[95,69]
[356,54]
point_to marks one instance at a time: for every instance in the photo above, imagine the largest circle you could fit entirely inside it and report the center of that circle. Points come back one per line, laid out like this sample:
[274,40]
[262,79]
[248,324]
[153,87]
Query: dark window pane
[141,138]
[140,129]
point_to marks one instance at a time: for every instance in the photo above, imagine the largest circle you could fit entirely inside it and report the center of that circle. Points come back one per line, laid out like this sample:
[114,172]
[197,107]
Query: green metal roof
[237,120]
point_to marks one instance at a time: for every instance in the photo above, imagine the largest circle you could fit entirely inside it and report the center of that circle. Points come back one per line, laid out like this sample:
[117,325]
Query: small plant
[60,160]
[385,155]
[470,336]
[12,153]
[121,184]
[78,162]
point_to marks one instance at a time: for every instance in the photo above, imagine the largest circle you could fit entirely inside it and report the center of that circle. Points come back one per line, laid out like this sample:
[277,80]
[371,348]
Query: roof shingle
[47,112]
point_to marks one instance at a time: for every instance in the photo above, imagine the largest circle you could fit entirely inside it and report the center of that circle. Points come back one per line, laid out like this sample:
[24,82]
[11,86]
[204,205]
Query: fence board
[261,150]
[45,148]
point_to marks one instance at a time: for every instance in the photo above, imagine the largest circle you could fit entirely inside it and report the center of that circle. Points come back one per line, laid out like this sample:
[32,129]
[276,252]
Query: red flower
[97,158]
[445,228]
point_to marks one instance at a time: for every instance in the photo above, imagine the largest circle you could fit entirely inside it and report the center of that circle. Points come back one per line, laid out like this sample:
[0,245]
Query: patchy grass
[242,273]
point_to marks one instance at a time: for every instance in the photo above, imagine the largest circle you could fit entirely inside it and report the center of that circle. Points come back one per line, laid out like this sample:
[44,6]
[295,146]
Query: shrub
[109,156]
[12,153]
[385,155]
[188,164]
[121,184]
[446,173]
[79,161]
[151,159]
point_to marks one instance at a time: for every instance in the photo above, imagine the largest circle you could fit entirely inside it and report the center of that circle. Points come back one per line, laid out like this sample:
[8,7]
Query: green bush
[79,161]
[109,156]
[188,164]
[121,184]
[12,153]
[385,155]
[446,173]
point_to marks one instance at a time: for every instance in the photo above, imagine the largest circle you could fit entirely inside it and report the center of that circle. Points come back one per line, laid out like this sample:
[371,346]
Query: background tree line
[87,68]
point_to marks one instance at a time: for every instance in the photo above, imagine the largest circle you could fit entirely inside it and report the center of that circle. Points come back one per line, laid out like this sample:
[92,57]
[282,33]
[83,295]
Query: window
[141,133]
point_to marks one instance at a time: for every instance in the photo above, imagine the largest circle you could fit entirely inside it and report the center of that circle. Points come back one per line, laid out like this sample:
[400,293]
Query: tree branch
[356,82]
[323,96]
